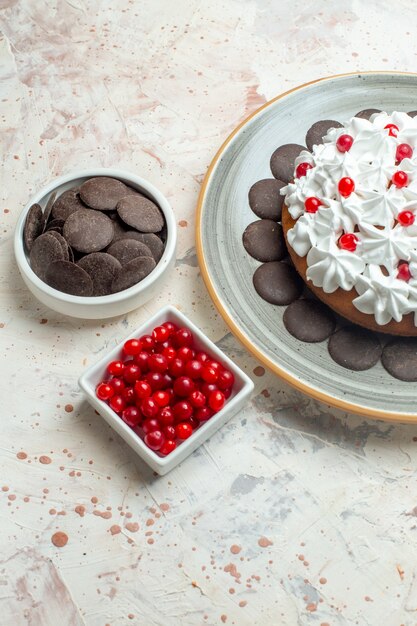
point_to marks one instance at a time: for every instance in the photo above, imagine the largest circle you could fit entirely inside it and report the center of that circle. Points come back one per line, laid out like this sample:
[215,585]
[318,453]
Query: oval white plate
[224,213]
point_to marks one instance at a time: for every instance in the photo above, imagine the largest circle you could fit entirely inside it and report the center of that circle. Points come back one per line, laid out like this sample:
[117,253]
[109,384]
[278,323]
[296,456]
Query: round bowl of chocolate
[96,244]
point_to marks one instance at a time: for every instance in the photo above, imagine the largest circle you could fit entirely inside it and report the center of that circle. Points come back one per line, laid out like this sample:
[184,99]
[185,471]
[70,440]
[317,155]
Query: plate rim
[316,394]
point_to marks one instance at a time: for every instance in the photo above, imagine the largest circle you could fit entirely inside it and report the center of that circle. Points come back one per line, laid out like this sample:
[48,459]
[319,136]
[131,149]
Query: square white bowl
[242,389]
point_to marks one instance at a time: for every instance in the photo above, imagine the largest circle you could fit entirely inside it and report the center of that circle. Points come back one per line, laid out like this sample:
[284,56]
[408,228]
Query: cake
[349,220]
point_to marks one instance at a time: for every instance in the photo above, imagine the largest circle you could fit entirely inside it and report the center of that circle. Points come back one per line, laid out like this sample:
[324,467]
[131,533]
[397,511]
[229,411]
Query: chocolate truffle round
[283,161]
[102,192]
[355,348]
[45,249]
[102,268]
[132,273]
[87,230]
[365,114]
[277,283]
[264,241]
[69,278]
[34,225]
[318,130]
[67,203]
[265,199]
[140,213]
[399,357]
[309,320]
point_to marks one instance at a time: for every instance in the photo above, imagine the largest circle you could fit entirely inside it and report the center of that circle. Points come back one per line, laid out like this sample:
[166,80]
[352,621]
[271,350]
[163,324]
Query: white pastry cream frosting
[378,215]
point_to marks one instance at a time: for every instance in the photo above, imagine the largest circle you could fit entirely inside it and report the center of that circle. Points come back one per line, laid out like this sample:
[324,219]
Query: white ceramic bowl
[102,306]
[242,389]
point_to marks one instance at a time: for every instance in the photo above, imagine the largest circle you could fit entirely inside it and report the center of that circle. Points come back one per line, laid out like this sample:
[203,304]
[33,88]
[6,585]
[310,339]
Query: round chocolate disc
[355,348]
[140,213]
[34,225]
[48,207]
[319,129]
[102,268]
[125,250]
[102,192]
[63,243]
[265,199]
[366,113]
[412,113]
[283,159]
[133,272]
[264,241]
[399,357]
[54,224]
[67,203]
[277,283]
[45,249]
[69,278]
[152,241]
[88,231]
[309,320]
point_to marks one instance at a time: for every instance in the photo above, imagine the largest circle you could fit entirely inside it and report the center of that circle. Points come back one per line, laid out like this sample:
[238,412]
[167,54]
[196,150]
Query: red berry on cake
[348,242]
[404,151]
[406,218]
[400,179]
[344,143]
[301,169]
[346,186]
[403,272]
[312,204]
[392,129]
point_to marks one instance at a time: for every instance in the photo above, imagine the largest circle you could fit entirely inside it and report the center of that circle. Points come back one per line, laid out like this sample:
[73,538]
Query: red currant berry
[160,334]
[142,360]
[155,440]
[131,416]
[183,386]
[193,369]
[171,327]
[142,389]
[344,143]
[197,399]
[404,151]
[301,169]
[348,242]
[183,337]
[185,354]
[406,218]
[216,366]
[209,374]
[156,380]
[118,385]
[148,343]
[115,368]
[346,186]
[208,388]
[167,380]
[150,425]
[167,447]
[225,380]
[169,353]
[169,432]
[161,398]
[202,356]
[195,423]
[149,407]
[403,273]
[216,400]
[166,416]
[117,403]
[183,430]
[131,372]
[104,391]
[129,395]
[157,363]
[132,347]
[182,410]
[176,367]
[399,179]
[227,393]
[392,130]
[312,204]
[203,414]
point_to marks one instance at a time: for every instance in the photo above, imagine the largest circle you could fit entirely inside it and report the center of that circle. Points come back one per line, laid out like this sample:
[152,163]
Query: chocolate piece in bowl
[152,241]
[319,130]
[48,208]
[34,225]
[140,213]
[102,192]
[133,272]
[264,241]
[283,160]
[265,198]
[69,278]
[102,268]
[126,250]
[63,243]
[45,249]
[67,203]
[55,224]
[88,230]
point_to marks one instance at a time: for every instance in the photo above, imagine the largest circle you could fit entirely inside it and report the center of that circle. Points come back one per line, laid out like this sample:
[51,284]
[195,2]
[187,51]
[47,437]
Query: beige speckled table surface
[293,513]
